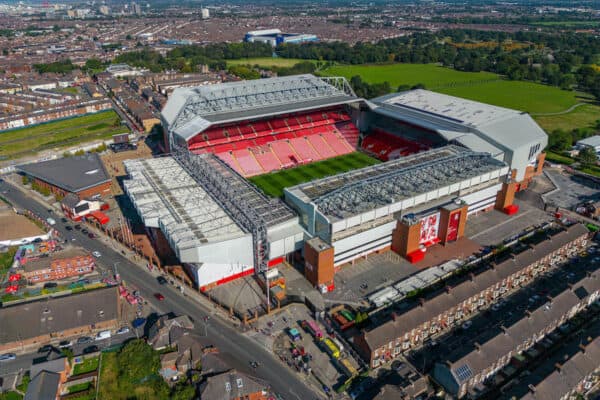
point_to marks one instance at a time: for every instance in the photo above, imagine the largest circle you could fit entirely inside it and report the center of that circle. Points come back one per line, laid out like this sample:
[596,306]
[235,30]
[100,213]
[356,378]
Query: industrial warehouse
[444,159]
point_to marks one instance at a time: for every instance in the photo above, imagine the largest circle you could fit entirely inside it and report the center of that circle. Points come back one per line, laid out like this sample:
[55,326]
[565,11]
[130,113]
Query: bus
[331,348]
[348,369]
[347,314]
[311,327]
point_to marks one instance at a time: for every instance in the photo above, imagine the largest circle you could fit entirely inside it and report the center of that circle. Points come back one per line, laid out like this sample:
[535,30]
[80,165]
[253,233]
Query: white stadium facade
[445,159]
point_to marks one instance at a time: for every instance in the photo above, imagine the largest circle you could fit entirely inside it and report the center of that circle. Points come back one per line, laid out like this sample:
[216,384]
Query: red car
[159,296]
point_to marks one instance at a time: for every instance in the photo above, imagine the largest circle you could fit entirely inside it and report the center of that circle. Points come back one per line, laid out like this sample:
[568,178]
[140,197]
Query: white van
[50,221]
[103,335]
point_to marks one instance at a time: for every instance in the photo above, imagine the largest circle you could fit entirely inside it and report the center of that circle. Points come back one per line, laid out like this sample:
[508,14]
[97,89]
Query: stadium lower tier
[387,146]
[284,150]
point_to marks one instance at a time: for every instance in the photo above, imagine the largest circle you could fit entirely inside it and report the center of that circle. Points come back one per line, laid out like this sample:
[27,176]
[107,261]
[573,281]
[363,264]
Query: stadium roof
[502,127]
[166,196]
[72,174]
[191,110]
[409,180]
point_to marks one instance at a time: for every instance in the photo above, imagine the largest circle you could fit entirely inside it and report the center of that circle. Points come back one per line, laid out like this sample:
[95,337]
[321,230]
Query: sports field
[59,134]
[273,184]
[480,86]
[267,61]
[432,76]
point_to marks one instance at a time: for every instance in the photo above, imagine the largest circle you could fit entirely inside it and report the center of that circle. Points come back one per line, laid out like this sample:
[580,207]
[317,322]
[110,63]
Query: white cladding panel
[368,216]
[382,212]
[444,191]
[455,187]
[482,194]
[208,273]
[338,226]
[361,238]
[232,251]
[396,207]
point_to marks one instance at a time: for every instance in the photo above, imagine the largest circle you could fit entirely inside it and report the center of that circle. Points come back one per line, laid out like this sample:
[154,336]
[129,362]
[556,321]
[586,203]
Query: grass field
[432,76]
[581,117]
[59,134]
[273,184]
[482,86]
[267,61]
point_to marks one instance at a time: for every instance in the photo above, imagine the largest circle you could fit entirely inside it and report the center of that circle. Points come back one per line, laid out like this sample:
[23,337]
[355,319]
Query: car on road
[91,349]
[159,296]
[123,330]
[63,220]
[96,253]
[45,349]
[69,227]
[161,280]
[8,357]
[64,344]
[326,389]
[84,339]
[84,231]
[78,227]
[467,324]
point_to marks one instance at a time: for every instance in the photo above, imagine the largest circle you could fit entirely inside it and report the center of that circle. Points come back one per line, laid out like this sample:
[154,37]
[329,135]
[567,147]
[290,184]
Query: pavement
[226,335]
[572,189]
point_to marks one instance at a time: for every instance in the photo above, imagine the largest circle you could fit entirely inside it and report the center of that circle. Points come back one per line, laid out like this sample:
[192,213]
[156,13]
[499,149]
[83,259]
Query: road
[238,349]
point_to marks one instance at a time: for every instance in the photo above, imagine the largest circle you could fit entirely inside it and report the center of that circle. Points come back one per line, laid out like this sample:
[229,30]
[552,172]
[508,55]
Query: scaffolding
[254,212]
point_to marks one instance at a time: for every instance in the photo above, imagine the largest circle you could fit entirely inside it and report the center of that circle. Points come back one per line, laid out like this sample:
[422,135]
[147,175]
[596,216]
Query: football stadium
[429,161]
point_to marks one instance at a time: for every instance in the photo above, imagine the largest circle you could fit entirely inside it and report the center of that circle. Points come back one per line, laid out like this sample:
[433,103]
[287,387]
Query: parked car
[64,344]
[96,254]
[50,285]
[78,227]
[84,339]
[161,280]
[91,235]
[84,231]
[69,227]
[159,296]
[8,357]
[123,330]
[467,324]
[45,349]
[103,335]
[91,349]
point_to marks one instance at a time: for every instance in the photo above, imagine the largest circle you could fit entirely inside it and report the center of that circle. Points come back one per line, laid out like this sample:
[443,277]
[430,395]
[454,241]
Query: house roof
[71,200]
[57,366]
[523,330]
[72,174]
[568,375]
[230,385]
[43,386]
[28,320]
[593,141]
[167,331]
[435,306]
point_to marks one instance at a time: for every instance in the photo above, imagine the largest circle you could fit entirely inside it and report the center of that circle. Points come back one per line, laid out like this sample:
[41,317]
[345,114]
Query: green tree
[183,391]
[93,64]
[137,360]
[559,140]
[588,156]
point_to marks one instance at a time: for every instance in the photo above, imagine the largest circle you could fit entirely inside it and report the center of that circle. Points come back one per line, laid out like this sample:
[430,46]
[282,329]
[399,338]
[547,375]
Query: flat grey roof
[29,320]
[347,194]
[72,174]
[593,141]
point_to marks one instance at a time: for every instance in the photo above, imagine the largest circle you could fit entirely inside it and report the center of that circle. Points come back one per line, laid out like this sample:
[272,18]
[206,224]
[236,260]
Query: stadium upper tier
[509,135]
[190,111]
[399,184]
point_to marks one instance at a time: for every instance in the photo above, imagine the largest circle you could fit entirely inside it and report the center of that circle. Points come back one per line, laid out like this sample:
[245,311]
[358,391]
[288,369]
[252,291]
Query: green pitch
[267,62]
[273,184]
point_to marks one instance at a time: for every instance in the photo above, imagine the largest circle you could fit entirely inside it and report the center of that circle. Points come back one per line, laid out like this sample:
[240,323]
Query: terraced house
[437,314]
[468,373]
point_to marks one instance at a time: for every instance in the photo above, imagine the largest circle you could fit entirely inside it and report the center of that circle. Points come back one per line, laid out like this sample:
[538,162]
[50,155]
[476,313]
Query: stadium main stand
[259,147]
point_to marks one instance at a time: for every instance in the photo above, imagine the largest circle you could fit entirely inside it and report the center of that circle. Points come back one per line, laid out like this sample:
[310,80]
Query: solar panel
[463,372]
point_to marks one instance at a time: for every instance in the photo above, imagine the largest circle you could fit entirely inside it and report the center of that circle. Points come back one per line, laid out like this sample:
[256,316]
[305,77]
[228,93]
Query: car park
[8,357]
